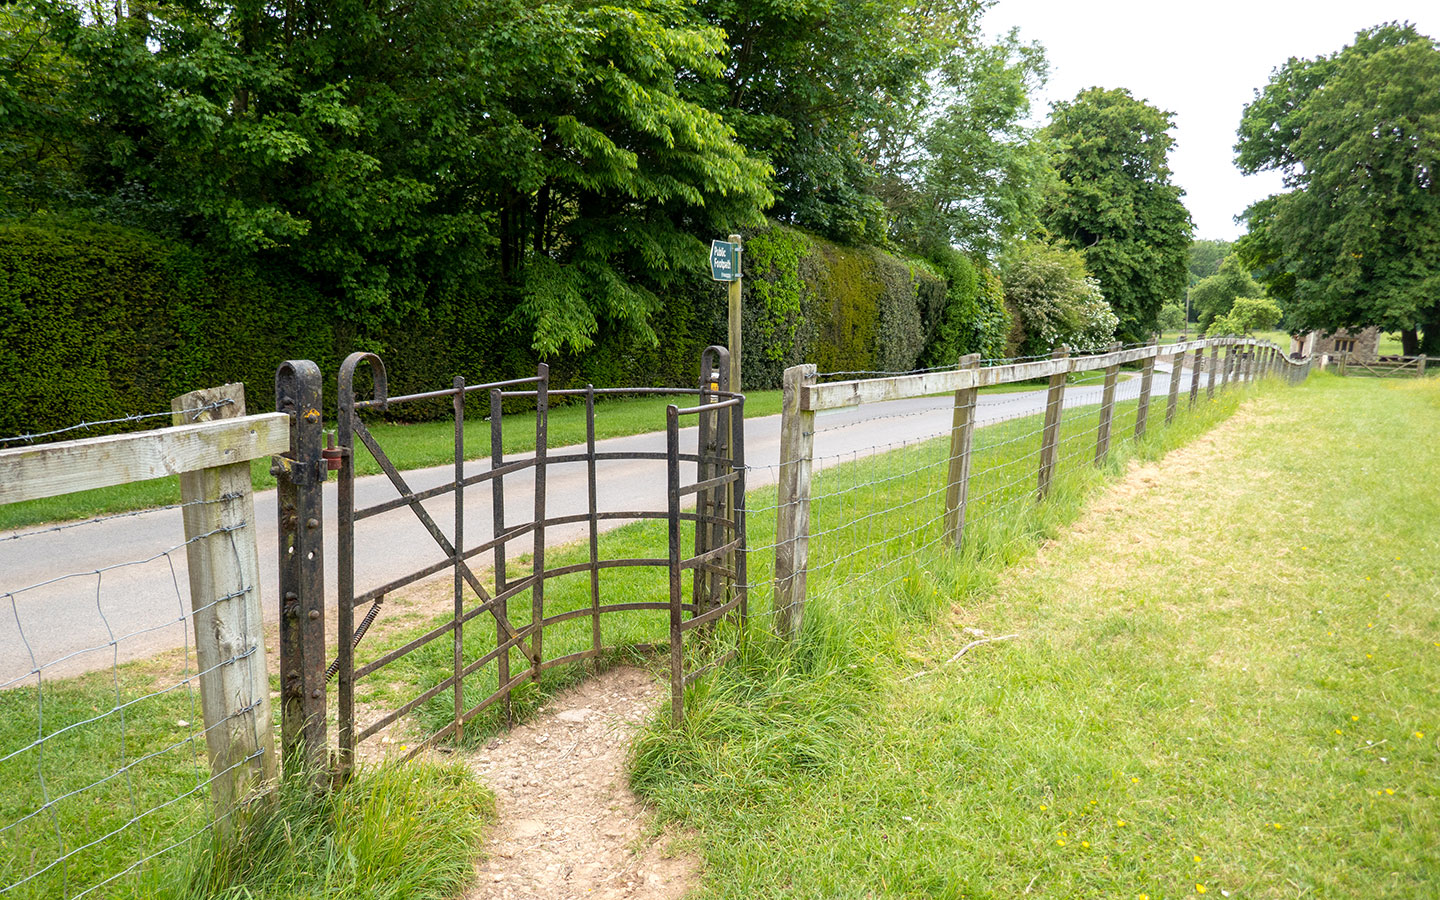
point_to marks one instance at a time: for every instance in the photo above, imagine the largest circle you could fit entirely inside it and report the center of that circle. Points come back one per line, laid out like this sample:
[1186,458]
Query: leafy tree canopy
[963,169]
[1115,201]
[1355,241]
[1248,314]
[1214,296]
[1205,257]
[1054,299]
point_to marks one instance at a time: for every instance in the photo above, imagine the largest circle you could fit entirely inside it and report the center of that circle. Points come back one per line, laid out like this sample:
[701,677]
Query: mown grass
[127,785]
[409,445]
[1223,683]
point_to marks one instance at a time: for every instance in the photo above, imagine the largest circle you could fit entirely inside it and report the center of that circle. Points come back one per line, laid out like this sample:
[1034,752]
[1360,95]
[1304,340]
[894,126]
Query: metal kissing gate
[516,648]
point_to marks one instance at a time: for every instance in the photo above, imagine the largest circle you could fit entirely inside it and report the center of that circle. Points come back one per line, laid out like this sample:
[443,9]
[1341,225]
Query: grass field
[1223,682]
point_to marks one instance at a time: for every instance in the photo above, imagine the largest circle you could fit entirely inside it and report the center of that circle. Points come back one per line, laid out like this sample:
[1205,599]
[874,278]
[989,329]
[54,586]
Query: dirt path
[568,825]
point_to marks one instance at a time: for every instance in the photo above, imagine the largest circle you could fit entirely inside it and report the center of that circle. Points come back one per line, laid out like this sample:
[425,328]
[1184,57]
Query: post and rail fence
[714,540]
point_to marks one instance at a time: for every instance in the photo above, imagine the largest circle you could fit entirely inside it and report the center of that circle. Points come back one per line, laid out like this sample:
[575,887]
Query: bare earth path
[568,825]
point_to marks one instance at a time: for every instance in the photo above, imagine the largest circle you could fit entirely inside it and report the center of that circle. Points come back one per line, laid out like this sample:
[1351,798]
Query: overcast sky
[1199,60]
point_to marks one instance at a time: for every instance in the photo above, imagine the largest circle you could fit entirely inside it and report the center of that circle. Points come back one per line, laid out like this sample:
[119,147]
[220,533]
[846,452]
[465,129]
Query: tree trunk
[1430,336]
[1410,342]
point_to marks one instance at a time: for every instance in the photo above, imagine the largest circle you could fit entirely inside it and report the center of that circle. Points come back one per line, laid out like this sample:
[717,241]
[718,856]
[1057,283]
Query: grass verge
[1223,683]
[123,786]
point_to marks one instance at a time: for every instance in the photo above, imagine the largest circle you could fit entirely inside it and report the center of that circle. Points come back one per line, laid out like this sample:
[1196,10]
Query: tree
[1205,257]
[963,169]
[1114,200]
[1172,316]
[1054,300]
[537,157]
[809,85]
[1213,297]
[1355,240]
[1246,315]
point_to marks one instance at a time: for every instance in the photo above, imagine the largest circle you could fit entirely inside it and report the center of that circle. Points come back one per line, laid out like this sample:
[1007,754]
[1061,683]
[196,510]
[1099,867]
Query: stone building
[1363,346]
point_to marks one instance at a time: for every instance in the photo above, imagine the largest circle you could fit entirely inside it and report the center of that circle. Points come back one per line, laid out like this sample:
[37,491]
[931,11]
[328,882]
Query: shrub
[1055,300]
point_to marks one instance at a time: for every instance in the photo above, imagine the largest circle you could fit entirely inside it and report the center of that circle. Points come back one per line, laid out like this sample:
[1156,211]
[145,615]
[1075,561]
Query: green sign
[724,261]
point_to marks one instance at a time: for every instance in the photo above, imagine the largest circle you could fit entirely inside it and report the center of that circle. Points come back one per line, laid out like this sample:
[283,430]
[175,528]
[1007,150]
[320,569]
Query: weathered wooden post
[792,526]
[1050,437]
[1195,369]
[1214,371]
[226,610]
[1147,381]
[1344,361]
[300,508]
[1107,408]
[1177,370]
[736,314]
[1420,366]
[962,431]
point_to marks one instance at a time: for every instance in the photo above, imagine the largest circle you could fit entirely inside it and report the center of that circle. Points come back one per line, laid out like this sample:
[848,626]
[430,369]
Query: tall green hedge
[99,322]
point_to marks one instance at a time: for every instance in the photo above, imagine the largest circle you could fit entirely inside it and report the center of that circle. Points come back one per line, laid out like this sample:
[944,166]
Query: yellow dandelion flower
[1354,718]
[1085,844]
[1043,807]
[1390,792]
[1419,734]
[1367,577]
[1369,624]
[1369,656]
[1144,897]
[1197,859]
[1135,780]
[1330,633]
[1338,731]
[1276,825]
[1199,888]
[1119,823]
[1060,841]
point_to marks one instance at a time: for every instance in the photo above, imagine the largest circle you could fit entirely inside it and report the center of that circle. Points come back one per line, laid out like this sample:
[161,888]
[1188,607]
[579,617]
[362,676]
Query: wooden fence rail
[210,448]
[1246,361]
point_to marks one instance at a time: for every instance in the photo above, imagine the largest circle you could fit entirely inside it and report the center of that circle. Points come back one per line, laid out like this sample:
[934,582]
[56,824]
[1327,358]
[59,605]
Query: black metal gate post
[301,508]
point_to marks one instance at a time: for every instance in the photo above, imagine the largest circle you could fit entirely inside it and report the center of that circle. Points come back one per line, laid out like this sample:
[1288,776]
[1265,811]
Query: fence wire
[104,761]
[109,424]
[878,508]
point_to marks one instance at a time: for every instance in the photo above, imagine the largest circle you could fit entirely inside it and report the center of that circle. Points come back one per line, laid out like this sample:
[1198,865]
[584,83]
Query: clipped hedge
[99,322]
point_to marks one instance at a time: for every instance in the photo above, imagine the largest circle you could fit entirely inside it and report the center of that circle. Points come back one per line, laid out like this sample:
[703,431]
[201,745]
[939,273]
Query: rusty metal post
[300,478]
[497,497]
[677,662]
[457,558]
[345,544]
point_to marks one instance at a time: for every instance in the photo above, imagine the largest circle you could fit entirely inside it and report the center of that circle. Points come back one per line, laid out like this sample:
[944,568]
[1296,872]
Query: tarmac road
[73,623]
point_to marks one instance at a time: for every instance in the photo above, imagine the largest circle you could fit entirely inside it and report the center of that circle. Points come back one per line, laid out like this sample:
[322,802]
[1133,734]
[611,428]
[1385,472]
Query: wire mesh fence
[877,508]
[106,729]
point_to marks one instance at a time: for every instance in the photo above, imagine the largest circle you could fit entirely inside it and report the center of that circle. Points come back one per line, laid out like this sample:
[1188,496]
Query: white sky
[1199,60]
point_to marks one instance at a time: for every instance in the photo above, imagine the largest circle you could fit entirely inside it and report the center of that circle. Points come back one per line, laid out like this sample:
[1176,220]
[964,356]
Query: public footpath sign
[724,261]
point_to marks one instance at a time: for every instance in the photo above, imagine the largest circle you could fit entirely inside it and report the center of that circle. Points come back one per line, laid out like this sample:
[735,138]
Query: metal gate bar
[718,560]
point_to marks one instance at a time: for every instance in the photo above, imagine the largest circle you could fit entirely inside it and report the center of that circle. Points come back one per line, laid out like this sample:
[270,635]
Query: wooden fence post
[1177,370]
[1344,361]
[1214,371]
[1107,410]
[1196,368]
[1050,437]
[1147,381]
[226,611]
[962,431]
[792,526]
[1420,366]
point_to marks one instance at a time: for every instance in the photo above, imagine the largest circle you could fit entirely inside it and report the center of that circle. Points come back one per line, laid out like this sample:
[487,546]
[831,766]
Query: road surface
[72,623]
